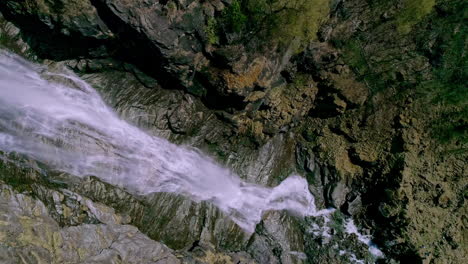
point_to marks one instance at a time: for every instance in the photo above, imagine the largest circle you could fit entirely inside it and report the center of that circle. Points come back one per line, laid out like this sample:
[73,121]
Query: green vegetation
[233,18]
[413,12]
[443,43]
[448,88]
[355,57]
[451,75]
[287,20]
[282,21]
[211,31]
[337,221]
[446,92]
[15,171]
[452,125]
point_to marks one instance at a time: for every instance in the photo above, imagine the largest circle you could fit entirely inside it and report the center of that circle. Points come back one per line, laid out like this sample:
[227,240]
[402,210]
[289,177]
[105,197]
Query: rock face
[30,235]
[67,17]
[167,38]
[372,113]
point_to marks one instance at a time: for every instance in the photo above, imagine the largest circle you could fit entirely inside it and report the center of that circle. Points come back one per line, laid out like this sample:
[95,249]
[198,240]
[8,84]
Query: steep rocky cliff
[365,98]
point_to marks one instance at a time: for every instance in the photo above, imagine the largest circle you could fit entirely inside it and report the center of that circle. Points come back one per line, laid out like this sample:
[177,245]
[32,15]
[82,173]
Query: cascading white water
[69,128]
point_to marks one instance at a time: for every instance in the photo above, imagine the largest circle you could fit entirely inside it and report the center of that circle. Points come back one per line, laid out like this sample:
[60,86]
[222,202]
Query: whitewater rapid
[67,126]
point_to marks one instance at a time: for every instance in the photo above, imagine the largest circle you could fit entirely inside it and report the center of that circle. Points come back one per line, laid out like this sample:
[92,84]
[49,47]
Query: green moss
[211,31]
[451,76]
[20,179]
[214,148]
[452,126]
[234,18]
[197,89]
[337,221]
[282,21]
[172,5]
[355,57]
[443,42]
[413,12]
[17,171]
[447,91]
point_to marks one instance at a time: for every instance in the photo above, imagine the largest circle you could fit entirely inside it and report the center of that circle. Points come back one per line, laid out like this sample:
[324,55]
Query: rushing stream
[67,126]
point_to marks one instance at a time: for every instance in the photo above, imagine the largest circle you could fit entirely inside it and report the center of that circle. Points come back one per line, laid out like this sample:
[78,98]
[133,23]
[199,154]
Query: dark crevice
[135,48]
[128,45]
[214,100]
[340,132]
[51,43]
[194,245]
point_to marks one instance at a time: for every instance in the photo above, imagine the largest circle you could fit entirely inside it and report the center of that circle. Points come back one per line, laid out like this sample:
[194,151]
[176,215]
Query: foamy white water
[351,228]
[70,128]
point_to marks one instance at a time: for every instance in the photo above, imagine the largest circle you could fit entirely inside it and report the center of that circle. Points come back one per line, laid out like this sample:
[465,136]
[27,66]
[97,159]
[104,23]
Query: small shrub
[234,18]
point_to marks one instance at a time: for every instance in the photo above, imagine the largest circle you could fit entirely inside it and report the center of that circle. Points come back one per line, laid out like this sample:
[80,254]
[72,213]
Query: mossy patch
[355,56]
[447,90]
[413,12]
[337,221]
[233,17]
[280,21]
[211,31]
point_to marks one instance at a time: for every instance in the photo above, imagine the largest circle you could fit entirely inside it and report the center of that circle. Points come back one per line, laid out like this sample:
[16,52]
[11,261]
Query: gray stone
[30,234]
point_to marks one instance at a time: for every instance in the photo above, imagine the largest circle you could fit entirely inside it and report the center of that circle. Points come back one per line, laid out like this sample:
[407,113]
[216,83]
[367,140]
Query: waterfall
[67,126]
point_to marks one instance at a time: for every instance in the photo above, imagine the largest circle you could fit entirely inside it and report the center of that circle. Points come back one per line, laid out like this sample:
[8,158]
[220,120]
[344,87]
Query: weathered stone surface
[67,16]
[29,235]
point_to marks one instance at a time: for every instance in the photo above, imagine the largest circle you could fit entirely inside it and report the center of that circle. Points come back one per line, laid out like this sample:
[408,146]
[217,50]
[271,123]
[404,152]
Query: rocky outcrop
[168,40]
[67,17]
[30,235]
